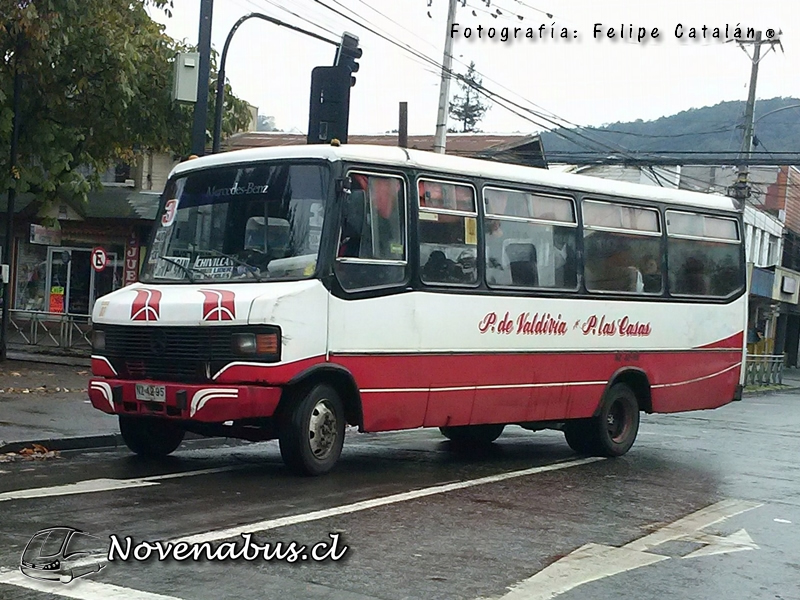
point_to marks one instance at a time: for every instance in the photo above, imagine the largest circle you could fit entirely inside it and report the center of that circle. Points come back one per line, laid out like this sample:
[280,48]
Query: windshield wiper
[251,269]
[183,268]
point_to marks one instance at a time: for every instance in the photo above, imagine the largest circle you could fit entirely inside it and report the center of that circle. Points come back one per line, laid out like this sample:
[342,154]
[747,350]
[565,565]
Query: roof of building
[107,203]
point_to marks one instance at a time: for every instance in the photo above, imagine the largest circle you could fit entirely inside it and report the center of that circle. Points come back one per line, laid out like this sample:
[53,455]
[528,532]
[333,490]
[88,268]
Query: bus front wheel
[613,431]
[150,437]
[473,434]
[311,431]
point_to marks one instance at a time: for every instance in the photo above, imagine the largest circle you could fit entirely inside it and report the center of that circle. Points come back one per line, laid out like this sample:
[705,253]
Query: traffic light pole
[220,95]
[201,105]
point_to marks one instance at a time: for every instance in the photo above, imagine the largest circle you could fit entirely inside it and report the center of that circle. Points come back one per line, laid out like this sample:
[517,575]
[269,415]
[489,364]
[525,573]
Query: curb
[783,390]
[111,440]
[74,361]
[86,442]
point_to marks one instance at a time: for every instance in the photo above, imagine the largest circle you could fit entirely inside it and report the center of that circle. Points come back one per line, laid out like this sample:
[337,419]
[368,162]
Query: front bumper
[205,403]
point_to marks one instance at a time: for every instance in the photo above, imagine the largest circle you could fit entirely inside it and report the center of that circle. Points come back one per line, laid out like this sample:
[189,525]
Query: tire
[578,436]
[150,437]
[480,435]
[613,431]
[311,430]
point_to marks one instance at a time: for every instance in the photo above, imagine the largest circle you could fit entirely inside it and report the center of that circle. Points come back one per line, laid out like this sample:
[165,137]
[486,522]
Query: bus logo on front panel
[218,305]
[146,305]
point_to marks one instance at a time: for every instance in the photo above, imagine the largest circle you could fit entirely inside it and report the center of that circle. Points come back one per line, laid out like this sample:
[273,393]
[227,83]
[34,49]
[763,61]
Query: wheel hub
[616,421]
[322,429]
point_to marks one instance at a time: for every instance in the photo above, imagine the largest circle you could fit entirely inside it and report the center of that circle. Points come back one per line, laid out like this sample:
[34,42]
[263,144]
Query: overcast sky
[584,80]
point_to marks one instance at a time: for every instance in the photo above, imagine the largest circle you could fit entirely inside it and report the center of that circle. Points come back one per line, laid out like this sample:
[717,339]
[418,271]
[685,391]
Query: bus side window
[616,238]
[372,249]
[703,253]
[530,239]
[447,233]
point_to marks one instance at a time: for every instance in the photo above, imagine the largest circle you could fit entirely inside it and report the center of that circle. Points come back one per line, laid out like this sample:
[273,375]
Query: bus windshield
[249,222]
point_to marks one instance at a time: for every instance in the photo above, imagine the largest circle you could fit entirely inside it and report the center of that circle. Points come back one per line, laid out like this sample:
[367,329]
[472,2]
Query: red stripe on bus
[404,391]
[736,341]
[416,390]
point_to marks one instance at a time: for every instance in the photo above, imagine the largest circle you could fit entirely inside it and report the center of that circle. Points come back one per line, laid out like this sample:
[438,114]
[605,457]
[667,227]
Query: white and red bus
[288,292]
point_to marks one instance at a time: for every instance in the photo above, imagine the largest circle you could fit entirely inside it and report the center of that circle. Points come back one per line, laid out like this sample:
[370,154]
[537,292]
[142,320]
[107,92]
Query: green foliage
[712,129]
[467,107]
[96,83]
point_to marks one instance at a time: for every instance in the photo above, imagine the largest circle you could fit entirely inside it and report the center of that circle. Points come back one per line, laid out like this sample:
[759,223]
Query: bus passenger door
[372,328]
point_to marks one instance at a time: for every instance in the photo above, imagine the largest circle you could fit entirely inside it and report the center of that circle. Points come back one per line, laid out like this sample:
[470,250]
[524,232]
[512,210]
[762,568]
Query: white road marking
[692,523]
[587,563]
[735,542]
[104,485]
[595,561]
[233,532]
[80,589]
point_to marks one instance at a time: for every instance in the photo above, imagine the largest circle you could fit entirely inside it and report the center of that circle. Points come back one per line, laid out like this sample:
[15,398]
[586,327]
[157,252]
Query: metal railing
[764,369]
[45,330]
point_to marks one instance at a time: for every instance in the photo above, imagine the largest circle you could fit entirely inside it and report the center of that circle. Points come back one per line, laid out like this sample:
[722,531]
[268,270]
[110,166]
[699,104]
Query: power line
[497,97]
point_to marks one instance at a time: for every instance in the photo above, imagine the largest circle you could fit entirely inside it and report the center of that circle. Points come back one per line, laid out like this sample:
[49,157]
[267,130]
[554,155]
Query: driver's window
[448,220]
[371,251]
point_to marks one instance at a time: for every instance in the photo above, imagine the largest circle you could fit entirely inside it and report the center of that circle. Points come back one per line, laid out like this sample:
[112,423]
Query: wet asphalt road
[474,542]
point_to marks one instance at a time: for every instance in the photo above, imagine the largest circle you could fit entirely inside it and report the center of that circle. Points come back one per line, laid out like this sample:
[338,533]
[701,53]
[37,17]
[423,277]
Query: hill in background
[712,129]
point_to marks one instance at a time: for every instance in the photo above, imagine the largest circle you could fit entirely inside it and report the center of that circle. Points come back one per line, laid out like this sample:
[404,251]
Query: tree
[467,107]
[266,123]
[96,81]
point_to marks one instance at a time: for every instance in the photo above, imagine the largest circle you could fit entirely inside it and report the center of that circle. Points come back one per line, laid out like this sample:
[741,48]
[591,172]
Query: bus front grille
[187,354]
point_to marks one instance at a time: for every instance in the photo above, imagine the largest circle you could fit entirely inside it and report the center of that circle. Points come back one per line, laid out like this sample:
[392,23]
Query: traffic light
[347,54]
[329,108]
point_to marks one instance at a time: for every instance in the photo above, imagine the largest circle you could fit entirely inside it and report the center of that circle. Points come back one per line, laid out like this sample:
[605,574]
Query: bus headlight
[98,339]
[257,344]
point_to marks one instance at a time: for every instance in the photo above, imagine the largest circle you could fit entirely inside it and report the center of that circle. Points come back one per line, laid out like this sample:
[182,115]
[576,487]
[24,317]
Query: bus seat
[522,264]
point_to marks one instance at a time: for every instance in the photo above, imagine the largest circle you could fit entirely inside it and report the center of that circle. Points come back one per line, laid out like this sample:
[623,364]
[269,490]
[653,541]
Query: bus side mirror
[343,185]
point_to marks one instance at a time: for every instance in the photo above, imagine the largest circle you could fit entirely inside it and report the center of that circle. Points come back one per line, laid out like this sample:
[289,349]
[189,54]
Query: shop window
[31,292]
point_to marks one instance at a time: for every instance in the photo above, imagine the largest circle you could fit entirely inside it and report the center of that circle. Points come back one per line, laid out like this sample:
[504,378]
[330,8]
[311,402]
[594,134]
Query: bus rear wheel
[473,434]
[150,437]
[613,431]
[311,430]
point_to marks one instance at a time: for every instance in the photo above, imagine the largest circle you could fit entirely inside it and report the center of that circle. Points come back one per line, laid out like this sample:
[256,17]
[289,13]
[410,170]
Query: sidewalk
[48,404]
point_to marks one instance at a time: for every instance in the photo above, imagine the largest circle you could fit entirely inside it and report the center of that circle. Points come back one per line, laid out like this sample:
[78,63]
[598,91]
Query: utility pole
[741,189]
[402,129]
[444,88]
[204,71]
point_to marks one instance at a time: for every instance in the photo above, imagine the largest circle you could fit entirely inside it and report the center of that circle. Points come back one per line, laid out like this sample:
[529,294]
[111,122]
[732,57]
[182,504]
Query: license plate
[151,393]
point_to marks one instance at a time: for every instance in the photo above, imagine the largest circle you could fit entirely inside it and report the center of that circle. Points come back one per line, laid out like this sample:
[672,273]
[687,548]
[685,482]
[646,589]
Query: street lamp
[220,96]
[776,110]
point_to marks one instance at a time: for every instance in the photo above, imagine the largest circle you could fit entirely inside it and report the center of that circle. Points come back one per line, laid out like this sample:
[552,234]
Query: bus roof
[418,159]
